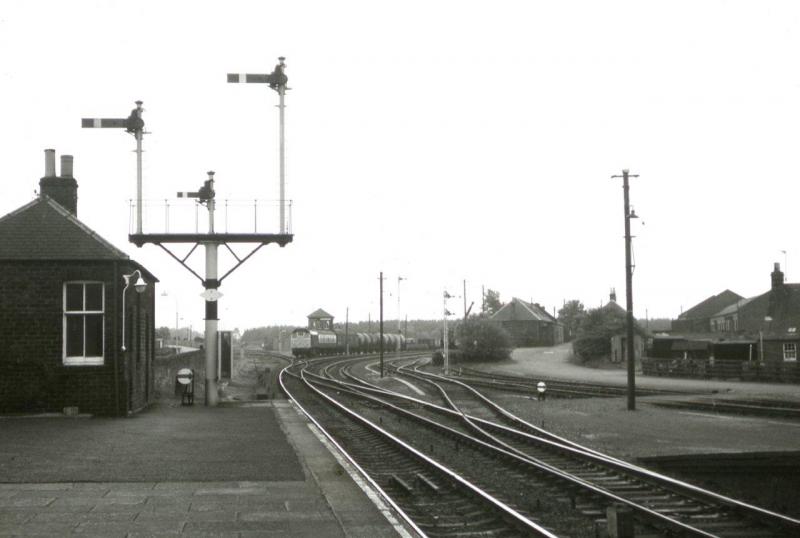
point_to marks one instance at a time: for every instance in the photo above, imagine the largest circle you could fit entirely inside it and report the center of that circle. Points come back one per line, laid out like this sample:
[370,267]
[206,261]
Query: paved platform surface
[280,479]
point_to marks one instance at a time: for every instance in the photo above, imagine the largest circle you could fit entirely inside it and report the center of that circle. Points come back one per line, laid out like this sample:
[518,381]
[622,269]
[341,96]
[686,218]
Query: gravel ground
[605,423]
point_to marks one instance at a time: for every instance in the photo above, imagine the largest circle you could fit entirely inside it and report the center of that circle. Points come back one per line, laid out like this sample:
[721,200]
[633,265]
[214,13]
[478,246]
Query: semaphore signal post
[277,81]
[211,240]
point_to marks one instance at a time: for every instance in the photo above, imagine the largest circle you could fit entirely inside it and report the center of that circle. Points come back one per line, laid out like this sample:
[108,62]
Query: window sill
[83,361]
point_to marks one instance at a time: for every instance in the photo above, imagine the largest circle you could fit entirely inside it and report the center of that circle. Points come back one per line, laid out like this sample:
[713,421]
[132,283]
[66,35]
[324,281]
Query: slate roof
[732,309]
[44,230]
[711,306]
[519,310]
[319,314]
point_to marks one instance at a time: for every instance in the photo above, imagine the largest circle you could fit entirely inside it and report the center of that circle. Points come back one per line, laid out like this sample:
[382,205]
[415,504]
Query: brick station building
[61,313]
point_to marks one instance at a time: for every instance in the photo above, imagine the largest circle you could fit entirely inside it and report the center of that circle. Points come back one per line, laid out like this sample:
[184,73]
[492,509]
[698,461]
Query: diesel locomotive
[320,338]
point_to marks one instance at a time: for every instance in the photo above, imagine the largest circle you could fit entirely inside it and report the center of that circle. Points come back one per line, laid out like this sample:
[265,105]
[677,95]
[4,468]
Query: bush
[483,340]
[591,347]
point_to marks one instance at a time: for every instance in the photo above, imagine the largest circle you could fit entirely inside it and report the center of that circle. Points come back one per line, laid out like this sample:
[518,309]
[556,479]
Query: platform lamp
[139,284]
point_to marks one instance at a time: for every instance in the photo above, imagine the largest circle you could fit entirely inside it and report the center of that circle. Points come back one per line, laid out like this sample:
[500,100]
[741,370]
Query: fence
[770,372]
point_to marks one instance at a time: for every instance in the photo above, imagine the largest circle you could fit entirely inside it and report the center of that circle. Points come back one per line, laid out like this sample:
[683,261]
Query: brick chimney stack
[63,189]
[613,295]
[777,277]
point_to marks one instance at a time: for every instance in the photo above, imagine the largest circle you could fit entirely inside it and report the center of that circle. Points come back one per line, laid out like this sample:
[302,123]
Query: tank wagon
[320,338]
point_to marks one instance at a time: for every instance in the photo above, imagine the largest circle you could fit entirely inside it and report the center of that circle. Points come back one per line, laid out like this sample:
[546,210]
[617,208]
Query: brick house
[529,324]
[774,319]
[698,318]
[61,315]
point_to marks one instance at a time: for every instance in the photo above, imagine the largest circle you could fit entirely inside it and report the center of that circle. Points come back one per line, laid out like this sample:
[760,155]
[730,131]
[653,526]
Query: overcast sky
[437,141]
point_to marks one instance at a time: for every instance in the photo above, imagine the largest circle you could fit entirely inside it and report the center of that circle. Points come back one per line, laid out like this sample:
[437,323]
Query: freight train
[309,342]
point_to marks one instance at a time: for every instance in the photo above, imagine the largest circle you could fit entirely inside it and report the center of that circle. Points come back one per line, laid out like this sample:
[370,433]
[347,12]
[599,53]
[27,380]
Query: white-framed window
[84,323]
[790,351]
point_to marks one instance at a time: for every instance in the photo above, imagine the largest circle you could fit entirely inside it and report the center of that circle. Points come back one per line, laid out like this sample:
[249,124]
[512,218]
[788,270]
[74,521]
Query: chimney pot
[66,166]
[49,163]
[64,189]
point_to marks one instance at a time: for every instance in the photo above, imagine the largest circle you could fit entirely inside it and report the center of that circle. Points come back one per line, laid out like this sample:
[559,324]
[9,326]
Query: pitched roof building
[698,318]
[319,319]
[529,324]
[66,340]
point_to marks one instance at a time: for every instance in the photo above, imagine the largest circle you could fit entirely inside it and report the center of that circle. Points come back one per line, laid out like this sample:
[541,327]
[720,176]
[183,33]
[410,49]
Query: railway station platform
[248,469]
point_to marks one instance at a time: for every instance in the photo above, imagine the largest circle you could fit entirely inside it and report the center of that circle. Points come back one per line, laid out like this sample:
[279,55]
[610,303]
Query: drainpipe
[115,291]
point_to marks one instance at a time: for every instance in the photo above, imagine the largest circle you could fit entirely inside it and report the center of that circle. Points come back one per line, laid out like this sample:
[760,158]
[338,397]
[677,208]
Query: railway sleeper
[426,483]
[730,527]
[401,484]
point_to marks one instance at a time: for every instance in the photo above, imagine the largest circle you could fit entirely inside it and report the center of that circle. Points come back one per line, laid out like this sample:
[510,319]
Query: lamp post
[139,284]
[629,290]
[165,294]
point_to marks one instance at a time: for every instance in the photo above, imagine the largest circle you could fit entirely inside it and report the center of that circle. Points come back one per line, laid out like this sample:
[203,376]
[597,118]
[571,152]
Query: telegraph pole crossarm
[629,291]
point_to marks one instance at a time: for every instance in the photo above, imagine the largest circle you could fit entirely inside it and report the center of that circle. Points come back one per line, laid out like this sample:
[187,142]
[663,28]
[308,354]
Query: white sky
[440,141]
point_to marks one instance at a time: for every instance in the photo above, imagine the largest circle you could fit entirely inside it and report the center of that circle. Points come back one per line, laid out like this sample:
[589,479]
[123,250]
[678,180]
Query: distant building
[698,318]
[774,318]
[319,319]
[762,333]
[61,316]
[619,342]
[619,347]
[529,324]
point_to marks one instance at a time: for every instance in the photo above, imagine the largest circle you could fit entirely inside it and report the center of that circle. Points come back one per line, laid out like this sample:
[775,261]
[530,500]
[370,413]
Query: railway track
[431,499]
[570,389]
[559,387]
[550,482]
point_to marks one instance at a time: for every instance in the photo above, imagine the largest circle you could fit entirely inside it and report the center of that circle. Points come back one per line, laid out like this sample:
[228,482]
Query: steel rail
[523,458]
[677,486]
[698,494]
[516,516]
[773,517]
[405,517]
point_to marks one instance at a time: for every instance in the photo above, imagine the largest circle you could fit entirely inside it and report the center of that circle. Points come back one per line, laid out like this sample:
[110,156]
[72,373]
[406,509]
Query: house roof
[319,314]
[784,310]
[731,309]
[44,230]
[612,305]
[519,310]
[711,306]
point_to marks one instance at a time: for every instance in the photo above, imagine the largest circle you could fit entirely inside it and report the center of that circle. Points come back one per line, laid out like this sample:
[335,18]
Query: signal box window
[790,351]
[84,316]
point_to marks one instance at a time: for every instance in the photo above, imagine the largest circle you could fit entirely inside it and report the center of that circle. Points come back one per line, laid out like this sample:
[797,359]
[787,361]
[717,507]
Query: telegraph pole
[629,291]
[380,344]
[399,319]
